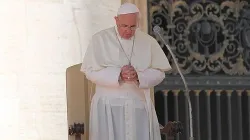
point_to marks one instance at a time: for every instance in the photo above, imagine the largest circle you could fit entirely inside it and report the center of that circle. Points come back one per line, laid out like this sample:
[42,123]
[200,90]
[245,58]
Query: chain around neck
[129,59]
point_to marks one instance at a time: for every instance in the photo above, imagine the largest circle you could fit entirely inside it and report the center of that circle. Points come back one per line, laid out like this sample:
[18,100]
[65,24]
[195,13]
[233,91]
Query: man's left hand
[132,74]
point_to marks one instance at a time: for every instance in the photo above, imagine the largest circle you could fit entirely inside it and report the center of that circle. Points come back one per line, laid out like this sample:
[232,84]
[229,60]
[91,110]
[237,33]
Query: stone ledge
[205,83]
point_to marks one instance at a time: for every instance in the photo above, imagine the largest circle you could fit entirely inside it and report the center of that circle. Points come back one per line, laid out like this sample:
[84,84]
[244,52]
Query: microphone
[157,30]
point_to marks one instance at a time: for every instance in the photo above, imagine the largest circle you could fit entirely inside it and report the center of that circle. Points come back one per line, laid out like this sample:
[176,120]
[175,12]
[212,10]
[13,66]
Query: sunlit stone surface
[39,39]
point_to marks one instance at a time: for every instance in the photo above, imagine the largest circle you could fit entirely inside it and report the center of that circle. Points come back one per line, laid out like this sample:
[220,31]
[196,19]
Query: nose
[128,31]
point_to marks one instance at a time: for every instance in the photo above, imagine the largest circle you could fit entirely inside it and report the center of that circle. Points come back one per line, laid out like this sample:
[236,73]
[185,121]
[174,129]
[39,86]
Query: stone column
[142,5]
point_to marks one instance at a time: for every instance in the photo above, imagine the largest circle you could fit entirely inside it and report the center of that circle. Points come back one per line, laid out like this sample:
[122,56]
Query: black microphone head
[157,29]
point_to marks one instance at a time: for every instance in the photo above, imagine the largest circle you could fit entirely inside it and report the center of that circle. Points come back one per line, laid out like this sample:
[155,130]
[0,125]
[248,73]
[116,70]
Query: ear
[116,19]
[138,22]
[138,19]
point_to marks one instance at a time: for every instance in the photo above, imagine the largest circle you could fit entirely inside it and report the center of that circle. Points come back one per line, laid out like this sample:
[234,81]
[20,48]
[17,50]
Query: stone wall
[39,39]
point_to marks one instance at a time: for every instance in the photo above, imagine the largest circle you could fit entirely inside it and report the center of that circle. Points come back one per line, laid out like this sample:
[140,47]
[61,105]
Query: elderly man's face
[127,25]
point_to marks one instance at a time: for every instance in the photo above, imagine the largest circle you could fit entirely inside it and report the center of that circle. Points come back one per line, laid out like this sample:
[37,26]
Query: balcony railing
[218,114]
[210,40]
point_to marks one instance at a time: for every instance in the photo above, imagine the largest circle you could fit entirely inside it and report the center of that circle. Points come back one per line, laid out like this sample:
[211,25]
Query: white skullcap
[127,8]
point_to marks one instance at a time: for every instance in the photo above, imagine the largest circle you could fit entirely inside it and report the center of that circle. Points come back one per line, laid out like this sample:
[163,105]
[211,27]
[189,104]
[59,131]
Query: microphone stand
[157,30]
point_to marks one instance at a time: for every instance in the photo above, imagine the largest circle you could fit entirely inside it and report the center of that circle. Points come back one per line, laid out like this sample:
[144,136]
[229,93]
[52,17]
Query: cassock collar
[120,38]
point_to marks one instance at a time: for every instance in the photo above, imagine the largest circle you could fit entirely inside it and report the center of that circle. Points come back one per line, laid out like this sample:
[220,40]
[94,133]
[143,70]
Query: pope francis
[124,63]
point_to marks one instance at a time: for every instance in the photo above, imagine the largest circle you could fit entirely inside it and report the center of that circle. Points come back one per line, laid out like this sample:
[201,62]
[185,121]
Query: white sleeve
[107,77]
[150,78]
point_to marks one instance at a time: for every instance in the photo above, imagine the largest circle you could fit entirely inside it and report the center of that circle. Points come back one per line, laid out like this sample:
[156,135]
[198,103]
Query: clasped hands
[128,73]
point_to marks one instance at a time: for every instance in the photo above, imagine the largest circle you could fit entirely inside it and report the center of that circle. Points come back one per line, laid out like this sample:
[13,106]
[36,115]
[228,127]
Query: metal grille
[217,114]
[210,39]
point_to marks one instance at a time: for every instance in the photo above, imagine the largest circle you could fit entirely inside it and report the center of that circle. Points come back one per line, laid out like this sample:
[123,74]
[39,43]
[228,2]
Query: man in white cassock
[124,63]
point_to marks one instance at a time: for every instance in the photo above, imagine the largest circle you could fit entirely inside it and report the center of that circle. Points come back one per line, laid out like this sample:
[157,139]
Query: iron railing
[217,114]
[211,42]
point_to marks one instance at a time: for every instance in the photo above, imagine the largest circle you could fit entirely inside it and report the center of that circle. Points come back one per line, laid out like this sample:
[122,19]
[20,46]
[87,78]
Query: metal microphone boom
[157,30]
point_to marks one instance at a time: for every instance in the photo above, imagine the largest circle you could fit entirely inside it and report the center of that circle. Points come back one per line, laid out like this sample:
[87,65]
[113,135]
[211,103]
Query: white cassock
[123,111]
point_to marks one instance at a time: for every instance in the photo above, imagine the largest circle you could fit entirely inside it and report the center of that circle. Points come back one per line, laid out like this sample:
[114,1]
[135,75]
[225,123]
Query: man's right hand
[128,73]
[125,72]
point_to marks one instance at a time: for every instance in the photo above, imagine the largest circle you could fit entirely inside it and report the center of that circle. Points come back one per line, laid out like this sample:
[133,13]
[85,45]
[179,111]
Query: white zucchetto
[127,8]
